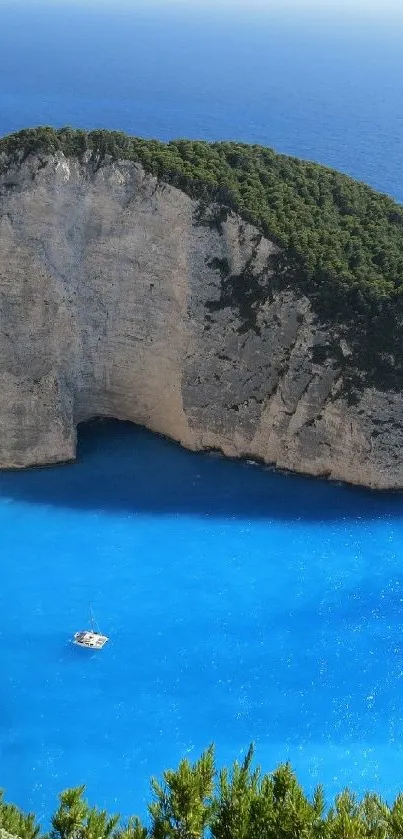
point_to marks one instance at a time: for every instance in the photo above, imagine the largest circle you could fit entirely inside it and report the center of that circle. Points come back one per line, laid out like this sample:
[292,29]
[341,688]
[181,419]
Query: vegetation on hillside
[197,802]
[335,224]
[342,242]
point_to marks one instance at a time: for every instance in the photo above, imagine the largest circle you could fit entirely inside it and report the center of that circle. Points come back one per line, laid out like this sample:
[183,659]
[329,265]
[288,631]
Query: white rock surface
[112,303]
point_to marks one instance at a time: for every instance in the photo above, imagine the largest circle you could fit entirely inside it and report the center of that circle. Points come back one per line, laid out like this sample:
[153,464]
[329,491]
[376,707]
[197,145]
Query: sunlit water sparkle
[241,604]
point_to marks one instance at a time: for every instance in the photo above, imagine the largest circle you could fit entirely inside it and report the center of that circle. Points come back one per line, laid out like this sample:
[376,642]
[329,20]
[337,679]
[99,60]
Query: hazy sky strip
[347,9]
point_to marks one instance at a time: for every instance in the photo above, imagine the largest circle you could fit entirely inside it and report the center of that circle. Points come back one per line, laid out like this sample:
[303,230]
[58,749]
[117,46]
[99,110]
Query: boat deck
[93,640]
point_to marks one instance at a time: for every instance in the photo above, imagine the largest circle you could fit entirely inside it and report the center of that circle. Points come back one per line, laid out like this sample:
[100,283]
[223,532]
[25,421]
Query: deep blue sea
[242,604]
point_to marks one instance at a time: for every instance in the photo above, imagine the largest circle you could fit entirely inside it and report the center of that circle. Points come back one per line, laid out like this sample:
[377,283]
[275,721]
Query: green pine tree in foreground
[196,802]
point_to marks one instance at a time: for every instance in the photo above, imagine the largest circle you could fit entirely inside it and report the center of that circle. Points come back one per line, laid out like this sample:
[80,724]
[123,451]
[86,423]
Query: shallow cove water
[241,605]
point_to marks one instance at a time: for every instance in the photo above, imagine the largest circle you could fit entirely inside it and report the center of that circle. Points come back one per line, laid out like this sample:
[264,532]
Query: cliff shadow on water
[122,467]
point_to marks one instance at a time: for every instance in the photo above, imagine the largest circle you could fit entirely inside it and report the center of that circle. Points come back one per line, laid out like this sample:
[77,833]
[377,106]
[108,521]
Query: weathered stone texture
[116,300]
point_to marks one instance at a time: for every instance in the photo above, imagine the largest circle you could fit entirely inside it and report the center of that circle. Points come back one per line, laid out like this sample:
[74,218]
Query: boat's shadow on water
[72,653]
[121,467]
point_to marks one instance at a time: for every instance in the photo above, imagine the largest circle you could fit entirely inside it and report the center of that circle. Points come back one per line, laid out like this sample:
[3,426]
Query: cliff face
[121,297]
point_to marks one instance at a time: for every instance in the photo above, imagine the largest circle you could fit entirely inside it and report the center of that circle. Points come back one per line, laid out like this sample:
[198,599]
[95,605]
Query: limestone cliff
[121,297]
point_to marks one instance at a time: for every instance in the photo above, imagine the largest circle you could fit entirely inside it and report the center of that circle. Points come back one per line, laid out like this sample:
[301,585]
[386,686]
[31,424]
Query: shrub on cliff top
[340,230]
[341,241]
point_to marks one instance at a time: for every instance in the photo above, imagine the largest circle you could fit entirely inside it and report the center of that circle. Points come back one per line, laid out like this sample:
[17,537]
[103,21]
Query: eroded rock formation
[121,297]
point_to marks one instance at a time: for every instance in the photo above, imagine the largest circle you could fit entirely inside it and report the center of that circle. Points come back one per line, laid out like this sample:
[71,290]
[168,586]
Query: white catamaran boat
[90,638]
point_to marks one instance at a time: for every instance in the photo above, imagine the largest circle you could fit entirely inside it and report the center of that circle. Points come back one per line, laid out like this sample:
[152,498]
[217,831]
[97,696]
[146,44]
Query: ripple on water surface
[241,605]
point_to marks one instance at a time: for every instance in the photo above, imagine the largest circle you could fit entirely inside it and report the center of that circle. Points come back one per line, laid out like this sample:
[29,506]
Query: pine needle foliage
[196,801]
[14,821]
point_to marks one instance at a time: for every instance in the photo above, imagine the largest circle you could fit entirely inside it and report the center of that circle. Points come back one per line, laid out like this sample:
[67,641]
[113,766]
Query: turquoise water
[241,604]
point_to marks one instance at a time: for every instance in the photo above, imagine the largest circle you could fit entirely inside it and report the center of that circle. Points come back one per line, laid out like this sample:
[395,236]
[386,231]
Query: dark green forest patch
[341,241]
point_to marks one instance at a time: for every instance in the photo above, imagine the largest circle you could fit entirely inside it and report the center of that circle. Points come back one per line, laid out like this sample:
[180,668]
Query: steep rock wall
[121,297]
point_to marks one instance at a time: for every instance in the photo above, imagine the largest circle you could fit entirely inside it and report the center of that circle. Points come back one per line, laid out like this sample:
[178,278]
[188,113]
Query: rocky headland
[126,293]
